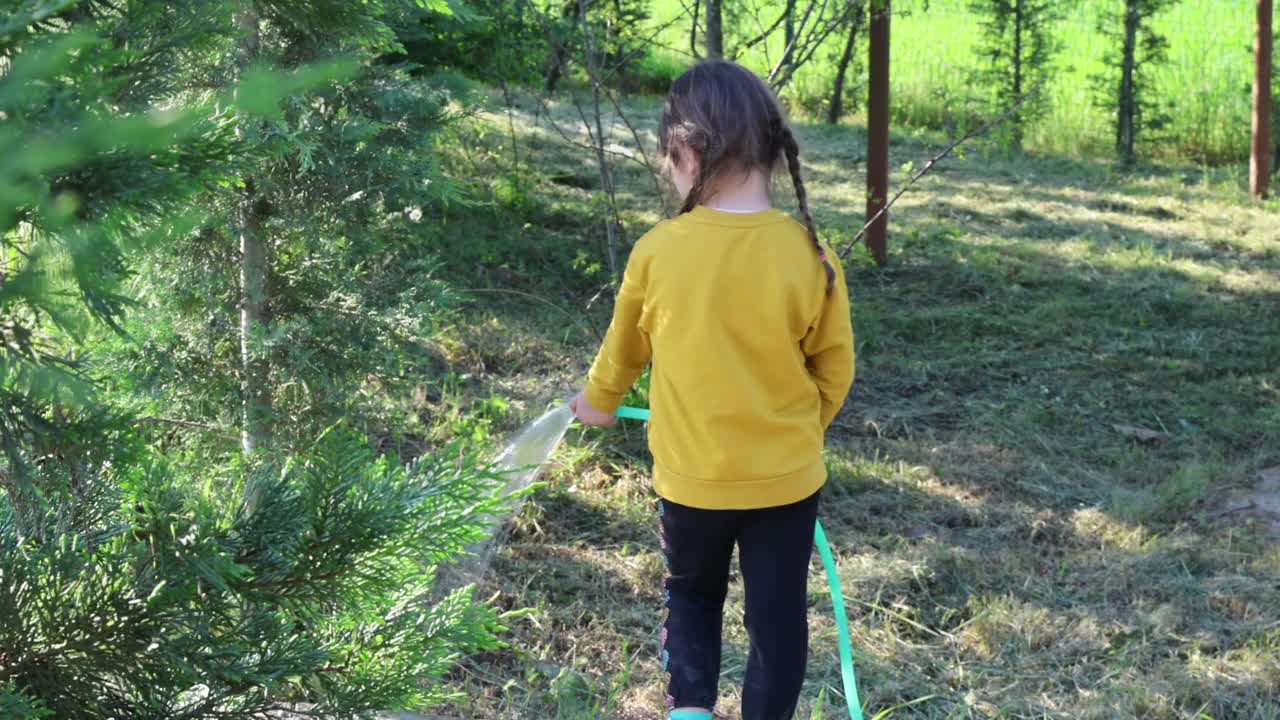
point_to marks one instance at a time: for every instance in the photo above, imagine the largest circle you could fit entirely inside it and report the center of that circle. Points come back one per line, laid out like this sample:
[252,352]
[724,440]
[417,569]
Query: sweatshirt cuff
[602,400]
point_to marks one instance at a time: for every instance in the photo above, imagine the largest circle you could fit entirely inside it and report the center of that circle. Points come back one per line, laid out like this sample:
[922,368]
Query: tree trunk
[1128,106]
[788,33]
[559,52]
[714,31]
[255,388]
[878,131]
[1259,173]
[612,223]
[555,67]
[693,30]
[836,108]
[1017,48]
[254,299]
[1015,122]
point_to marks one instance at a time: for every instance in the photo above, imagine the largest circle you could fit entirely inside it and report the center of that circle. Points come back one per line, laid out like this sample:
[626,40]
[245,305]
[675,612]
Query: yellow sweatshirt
[751,357]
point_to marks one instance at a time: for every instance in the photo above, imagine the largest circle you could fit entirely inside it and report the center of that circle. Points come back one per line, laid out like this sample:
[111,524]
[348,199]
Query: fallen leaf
[1140,433]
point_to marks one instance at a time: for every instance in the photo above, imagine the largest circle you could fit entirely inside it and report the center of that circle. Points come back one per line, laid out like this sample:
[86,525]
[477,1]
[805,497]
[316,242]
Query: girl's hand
[588,415]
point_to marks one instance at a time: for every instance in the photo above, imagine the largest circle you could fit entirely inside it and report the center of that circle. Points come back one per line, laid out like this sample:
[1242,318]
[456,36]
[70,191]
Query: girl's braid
[708,153]
[792,150]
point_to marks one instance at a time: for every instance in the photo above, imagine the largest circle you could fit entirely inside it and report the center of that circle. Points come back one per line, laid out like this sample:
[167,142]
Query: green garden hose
[833,582]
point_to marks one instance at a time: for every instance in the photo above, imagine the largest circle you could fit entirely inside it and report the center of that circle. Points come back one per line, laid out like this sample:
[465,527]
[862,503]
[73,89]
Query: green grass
[1006,551]
[1206,83]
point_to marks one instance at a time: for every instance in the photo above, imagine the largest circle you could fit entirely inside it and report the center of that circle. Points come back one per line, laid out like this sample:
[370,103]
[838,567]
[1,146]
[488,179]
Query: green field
[1206,83]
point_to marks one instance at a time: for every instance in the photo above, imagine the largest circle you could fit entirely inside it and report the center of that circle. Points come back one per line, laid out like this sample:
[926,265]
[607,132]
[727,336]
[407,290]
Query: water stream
[521,462]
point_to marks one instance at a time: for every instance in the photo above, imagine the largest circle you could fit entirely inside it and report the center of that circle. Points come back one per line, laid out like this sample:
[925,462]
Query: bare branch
[799,53]
[613,225]
[643,159]
[564,135]
[186,423]
[583,320]
[764,35]
[511,125]
[790,48]
[693,13]
[653,172]
[643,47]
[850,15]
[933,161]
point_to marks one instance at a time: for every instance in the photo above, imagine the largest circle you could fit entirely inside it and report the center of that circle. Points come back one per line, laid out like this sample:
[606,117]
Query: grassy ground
[1204,86]
[1006,550]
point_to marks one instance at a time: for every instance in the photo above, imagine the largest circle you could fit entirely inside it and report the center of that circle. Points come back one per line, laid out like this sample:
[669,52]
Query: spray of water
[520,462]
[532,446]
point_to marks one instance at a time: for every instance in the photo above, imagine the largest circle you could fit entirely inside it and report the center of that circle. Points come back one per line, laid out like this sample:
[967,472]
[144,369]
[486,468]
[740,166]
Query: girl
[745,316]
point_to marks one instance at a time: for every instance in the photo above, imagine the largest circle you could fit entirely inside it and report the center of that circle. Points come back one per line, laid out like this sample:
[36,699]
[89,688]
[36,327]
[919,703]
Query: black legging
[774,545]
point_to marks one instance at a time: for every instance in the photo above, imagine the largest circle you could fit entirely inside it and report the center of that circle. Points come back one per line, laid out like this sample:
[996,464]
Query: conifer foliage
[1136,49]
[1018,47]
[183,579]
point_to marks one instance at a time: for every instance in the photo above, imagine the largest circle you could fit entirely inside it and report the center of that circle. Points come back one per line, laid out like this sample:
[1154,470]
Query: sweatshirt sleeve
[626,349]
[828,347]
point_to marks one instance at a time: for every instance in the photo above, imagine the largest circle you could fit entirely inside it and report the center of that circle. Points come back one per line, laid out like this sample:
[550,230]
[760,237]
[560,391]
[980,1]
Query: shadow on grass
[1024,557]
[965,593]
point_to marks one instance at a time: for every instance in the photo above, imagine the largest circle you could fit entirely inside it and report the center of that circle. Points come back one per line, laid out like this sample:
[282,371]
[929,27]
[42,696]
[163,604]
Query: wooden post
[1259,171]
[878,132]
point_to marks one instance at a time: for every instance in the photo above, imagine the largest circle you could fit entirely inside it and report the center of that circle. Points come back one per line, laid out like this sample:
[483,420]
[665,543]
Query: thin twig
[466,152]
[981,130]
[790,48]
[641,48]
[511,124]
[606,180]
[578,143]
[806,54]
[520,293]
[792,62]
[653,172]
[693,14]
[595,297]
[753,11]
[613,226]
[764,35]
[185,423]
[672,48]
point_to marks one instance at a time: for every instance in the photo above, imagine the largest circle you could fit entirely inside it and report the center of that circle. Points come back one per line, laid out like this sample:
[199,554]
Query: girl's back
[733,305]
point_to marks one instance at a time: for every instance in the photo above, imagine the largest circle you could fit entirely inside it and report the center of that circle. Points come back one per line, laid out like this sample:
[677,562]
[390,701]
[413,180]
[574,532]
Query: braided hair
[728,116]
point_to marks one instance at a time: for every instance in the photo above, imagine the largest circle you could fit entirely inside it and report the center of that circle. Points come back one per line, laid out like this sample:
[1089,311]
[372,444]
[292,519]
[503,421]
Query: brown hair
[732,119]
